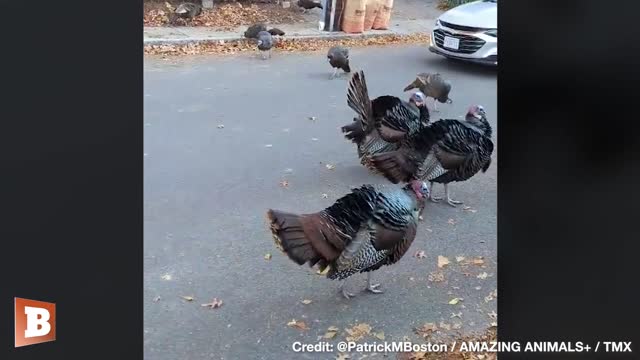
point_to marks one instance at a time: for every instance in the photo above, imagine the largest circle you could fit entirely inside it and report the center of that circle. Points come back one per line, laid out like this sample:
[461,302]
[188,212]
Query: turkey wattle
[408,116]
[362,231]
[432,85]
[443,152]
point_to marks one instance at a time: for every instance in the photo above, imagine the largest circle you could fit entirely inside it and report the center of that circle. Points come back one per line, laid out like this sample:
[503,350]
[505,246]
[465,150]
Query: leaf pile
[226,16]
[284,44]
[488,336]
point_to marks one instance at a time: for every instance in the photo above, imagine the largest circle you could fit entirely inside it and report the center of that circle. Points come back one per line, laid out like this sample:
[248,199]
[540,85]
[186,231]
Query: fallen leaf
[188,298]
[358,331]
[442,261]
[455,301]
[314,139]
[323,272]
[458,315]
[457,326]
[300,325]
[493,314]
[268,145]
[451,222]
[445,326]
[436,276]
[288,170]
[325,196]
[493,324]
[459,258]
[482,276]
[379,335]
[267,256]
[331,332]
[330,166]
[469,209]
[312,118]
[420,218]
[156,299]
[221,126]
[420,254]
[478,287]
[343,356]
[284,183]
[214,304]
[166,277]
[426,329]
[478,261]
[306,301]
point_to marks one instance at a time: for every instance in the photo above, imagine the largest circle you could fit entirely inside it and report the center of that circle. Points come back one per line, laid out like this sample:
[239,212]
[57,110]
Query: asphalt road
[207,189]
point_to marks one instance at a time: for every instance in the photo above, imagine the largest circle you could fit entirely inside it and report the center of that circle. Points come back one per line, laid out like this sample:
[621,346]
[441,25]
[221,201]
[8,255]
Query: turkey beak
[413,85]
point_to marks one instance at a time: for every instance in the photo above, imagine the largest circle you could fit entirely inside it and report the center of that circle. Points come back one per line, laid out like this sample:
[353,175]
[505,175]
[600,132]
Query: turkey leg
[344,291]
[450,201]
[372,287]
[335,71]
[433,198]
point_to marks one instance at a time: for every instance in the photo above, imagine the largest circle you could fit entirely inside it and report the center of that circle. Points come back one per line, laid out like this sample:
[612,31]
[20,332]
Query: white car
[468,32]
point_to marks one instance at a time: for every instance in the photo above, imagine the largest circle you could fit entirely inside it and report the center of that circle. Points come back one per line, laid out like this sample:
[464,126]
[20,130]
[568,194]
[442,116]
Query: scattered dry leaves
[442,261]
[306,301]
[156,299]
[445,326]
[325,196]
[284,45]
[214,304]
[267,256]
[459,258]
[451,222]
[187,298]
[226,16]
[426,329]
[420,254]
[493,314]
[379,335]
[358,331]
[343,356]
[331,332]
[469,209]
[298,324]
[482,276]
[166,277]
[330,166]
[478,261]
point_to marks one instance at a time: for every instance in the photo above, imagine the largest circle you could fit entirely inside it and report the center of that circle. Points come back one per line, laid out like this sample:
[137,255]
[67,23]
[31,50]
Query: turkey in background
[265,43]
[362,231]
[409,116]
[253,30]
[443,152]
[338,57]
[185,11]
[308,5]
[432,85]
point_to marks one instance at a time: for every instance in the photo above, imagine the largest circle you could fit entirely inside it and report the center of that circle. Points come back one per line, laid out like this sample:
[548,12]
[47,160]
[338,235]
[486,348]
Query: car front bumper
[487,54]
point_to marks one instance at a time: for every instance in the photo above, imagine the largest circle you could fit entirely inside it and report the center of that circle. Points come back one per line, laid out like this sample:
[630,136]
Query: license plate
[451,42]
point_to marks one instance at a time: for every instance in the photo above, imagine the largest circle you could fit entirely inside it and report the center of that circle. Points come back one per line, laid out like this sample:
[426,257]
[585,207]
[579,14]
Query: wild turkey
[432,85]
[409,116]
[186,11]
[443,152]
[362,231]
[308,5]
[276,31]
[338,57]
[265,43]
[253,30]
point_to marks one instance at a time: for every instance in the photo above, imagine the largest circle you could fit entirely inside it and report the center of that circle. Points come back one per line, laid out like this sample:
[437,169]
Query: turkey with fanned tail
[370,227]
[442,152]
[409,116]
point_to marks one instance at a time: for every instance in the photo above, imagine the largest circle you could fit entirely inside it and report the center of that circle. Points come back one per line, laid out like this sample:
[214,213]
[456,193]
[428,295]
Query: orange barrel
[372,7]
[384,15]
[353,16]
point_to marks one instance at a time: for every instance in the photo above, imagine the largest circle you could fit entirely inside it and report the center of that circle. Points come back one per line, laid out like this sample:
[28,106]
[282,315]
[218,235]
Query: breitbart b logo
[35,321]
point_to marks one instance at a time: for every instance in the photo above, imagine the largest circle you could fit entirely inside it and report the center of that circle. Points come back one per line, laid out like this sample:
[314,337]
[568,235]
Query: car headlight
[492,32]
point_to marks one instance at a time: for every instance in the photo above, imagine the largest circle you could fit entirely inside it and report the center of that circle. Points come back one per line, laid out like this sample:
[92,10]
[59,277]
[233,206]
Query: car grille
[468,44]
[461,27]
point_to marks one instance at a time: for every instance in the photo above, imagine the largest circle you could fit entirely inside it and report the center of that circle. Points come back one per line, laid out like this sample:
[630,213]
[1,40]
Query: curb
[231,39]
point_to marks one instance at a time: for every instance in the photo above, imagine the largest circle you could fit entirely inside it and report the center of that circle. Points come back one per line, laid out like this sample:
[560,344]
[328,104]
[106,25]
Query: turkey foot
[450,201]
[344,291]
[373,287]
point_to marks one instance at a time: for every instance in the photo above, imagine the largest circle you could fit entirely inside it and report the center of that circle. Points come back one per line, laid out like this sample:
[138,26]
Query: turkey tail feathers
[486,166]
[358,99]
[290,237]
[354,132]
